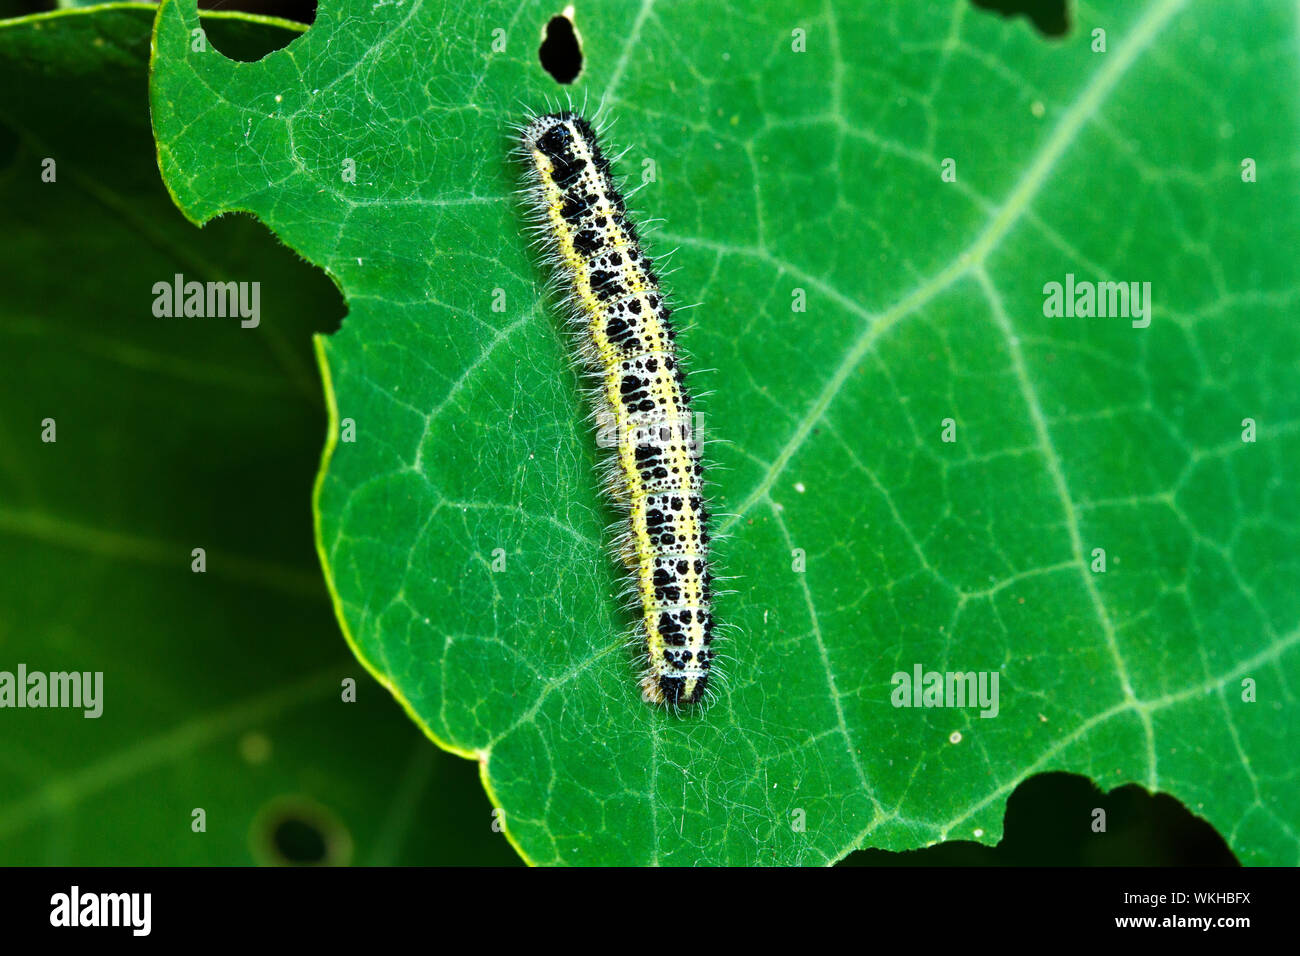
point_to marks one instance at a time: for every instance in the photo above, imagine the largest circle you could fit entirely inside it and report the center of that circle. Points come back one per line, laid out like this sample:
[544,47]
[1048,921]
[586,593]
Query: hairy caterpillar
[625,344]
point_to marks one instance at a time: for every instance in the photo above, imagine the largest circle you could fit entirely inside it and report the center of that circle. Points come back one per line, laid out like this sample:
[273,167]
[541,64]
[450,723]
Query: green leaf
[820,171]
[221,690]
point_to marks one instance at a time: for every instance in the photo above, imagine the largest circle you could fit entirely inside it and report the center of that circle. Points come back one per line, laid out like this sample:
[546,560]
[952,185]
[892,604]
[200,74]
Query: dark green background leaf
[222,690]
[777,171]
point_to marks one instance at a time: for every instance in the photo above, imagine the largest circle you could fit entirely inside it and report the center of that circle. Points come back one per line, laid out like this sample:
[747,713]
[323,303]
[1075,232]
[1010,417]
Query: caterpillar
[625,344]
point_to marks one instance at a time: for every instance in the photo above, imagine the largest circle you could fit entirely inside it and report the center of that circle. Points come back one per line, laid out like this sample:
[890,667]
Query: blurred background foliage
[223,690]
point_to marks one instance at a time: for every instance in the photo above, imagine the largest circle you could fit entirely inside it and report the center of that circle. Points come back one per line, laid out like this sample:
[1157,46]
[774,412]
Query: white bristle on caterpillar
[625,345]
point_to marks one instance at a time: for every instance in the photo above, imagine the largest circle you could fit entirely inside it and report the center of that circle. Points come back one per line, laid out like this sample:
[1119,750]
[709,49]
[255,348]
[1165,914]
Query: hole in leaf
[298,841]
[561,53]
[1050,821]
[249,41]
[297,832]
[303,11]
[1049,17]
